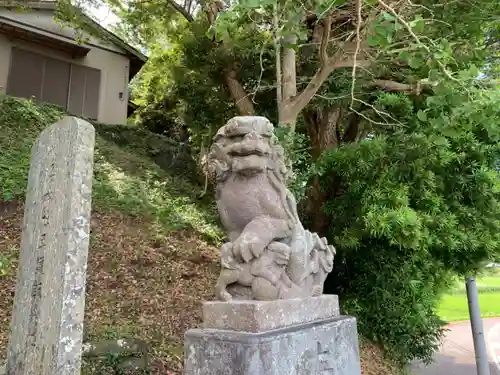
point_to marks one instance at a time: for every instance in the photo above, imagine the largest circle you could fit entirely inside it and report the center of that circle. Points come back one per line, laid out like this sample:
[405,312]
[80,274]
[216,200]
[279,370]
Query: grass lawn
[454,306]
[489,281]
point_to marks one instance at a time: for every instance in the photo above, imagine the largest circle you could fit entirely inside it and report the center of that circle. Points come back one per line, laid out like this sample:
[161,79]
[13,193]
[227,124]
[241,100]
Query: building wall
[4,62]
[114,69]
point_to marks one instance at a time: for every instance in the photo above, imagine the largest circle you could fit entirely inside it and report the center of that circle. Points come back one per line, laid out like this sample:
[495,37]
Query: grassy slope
[453,306]
[153,254]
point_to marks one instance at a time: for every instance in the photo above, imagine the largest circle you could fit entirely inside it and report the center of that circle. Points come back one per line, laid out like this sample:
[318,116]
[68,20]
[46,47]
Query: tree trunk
[277,50]
[322,127]
[242,101]
[325,131]
[287,115]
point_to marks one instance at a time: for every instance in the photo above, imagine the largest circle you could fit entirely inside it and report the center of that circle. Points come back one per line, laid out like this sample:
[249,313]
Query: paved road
[456,356]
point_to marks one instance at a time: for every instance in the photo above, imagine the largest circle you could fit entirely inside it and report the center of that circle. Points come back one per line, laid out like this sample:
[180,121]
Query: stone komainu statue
[269,254]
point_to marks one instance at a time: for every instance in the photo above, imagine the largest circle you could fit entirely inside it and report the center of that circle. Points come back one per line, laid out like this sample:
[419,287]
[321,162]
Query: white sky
[104,16]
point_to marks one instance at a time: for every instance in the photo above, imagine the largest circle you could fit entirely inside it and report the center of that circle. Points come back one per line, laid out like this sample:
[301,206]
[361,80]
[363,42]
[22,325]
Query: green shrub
[4,265]
[7,258]
[393,295]
[418,202]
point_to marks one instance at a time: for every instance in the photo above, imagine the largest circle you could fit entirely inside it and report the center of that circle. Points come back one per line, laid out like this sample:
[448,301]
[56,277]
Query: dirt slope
[139,285]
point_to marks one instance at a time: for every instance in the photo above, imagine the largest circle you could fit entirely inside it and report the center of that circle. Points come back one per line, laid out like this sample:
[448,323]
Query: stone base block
[322,347]
[260,316]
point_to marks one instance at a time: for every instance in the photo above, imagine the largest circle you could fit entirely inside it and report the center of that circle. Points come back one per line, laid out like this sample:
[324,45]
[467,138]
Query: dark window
[56,82]
[26,74]
[84,91]
[74,87]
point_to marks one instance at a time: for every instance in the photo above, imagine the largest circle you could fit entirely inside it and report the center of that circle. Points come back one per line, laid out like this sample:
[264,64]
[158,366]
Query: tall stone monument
[271,317]
[47,318]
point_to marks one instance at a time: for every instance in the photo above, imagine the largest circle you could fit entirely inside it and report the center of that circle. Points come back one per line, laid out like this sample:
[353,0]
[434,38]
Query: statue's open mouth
[249,163]
[248,148]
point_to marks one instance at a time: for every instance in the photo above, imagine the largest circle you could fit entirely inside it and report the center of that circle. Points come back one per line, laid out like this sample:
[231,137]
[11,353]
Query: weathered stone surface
[317,348]
[260,316]
[47,319]
[269,254]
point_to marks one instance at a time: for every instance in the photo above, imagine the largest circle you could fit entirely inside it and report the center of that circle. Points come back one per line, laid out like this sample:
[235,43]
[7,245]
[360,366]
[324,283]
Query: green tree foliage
[417,202]
[429,183]
[184,86]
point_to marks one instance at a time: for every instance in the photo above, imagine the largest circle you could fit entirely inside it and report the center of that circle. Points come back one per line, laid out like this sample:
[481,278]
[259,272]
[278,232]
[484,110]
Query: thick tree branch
[289,83]
[336,16]
[325,39]
[212,9]
[359,20]
[181,10]
[299,102]
[388,85]
[393,86]
[277,48]
[241,99]
[343,58]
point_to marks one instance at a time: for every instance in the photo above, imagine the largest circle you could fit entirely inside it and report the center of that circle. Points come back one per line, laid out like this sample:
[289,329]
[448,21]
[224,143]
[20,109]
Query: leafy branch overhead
[399,46]
[360,35]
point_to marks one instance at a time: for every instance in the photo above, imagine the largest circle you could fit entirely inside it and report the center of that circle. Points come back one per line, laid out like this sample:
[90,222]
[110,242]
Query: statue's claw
[317,290]
[220,291]
[222,294]
[281,250]
[244,252]
[226,297]
[248,246]
[257,248]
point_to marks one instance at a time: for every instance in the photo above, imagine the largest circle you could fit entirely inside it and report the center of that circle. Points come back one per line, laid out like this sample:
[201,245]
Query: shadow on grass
[137,172]
[168,154]
[133,184]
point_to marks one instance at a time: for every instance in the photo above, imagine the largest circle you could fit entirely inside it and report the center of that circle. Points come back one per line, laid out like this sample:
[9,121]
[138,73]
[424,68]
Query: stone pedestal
[284,337]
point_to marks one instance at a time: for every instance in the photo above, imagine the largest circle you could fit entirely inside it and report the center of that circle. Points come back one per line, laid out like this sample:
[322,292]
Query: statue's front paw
[281,252]
[317,290]
[222,294]
[225,296]
[248,246]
